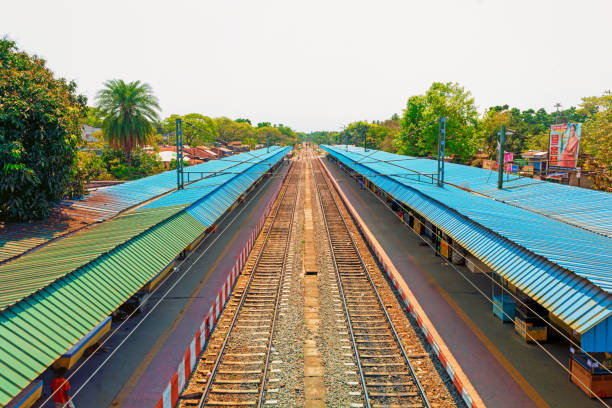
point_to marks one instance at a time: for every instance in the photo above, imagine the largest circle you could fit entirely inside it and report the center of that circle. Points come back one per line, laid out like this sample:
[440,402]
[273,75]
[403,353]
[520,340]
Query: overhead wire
[487,275]
[113,332]
[509,293]
[490,300]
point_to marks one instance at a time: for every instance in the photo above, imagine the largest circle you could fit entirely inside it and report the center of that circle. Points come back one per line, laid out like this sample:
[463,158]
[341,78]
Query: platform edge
[454,370]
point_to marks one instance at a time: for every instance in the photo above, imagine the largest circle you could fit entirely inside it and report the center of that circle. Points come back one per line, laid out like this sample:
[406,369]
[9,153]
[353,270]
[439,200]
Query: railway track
[238,375]
[359,310]
[387,376]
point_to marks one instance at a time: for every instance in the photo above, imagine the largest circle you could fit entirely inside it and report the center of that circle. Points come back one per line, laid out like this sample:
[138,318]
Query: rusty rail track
[239,373]
[387,377]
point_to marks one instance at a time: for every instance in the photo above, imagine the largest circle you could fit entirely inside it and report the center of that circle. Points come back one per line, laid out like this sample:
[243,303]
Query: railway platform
[506,371]
[312,322]
[138,373]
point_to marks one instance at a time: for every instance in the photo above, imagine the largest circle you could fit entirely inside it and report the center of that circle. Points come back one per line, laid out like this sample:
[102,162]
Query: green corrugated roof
[65,255]
[37,330]
[76,286]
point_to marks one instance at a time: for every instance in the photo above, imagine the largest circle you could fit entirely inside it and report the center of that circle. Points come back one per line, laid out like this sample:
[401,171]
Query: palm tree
[129,111]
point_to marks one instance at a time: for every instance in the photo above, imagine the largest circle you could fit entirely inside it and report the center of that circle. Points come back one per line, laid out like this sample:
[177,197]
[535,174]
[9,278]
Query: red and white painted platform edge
[179,379]
[460,379]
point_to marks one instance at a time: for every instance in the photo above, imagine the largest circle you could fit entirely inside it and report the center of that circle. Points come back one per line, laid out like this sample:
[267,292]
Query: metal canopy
[72,215]
[588,209]
[57,309]
[565,268]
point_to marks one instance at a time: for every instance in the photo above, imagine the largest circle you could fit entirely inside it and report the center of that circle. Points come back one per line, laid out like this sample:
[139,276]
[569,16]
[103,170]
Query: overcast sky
[317,65]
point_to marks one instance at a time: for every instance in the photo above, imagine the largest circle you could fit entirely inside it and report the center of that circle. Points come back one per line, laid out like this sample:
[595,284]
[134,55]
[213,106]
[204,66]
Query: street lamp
[557,105]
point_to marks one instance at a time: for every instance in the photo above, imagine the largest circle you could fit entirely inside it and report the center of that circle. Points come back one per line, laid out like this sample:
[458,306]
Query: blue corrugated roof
[562,266]
[75,214]
[144,189]
[39,328]
[209,209]
[581,207]
[218,174]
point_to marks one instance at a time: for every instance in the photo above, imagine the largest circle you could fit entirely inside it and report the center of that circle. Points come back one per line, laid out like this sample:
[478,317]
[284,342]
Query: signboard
[564,144]
[508,159]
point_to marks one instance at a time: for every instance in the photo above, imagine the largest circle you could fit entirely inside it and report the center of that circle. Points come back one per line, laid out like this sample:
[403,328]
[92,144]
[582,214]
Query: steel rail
[380,302]
[215,368]
[346,313]
[278,295]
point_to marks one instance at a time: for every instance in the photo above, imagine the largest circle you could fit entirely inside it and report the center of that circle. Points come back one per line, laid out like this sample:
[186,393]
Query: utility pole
[557,105]
[346,139]
[441,150]
[179,154]
[502,141]
[268,140]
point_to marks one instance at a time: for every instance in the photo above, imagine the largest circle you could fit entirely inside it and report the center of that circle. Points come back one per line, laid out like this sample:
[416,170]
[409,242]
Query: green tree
[130,111]
[596,139]
[167,127]
[142,163]
[288,135]
[420,122]
[249,141]
[357,133]
[491,123]
[264,124]
[39,132]
[268,133]
[199,129]
[94,117]
[242,120]
[392,131]
[323,137]
[230,130]
[381,137]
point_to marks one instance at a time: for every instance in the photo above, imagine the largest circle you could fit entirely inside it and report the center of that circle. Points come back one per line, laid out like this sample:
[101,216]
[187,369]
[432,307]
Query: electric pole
[557,105]
[441,150]
[179,154]
[502,141]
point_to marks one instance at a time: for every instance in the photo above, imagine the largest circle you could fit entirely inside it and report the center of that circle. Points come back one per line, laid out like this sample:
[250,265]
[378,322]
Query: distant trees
[596,140]
[265,134]
[379,135]
[230,130]
[130,111]
[39,131]
[197,129]
[416,132]
[419,123]
[115,164]
[249,141]
[529,128]
[94,117]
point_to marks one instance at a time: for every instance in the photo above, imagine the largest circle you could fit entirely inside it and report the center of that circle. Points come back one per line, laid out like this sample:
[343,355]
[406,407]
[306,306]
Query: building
[536,162]
[87,133]
[203,153]
[223,152]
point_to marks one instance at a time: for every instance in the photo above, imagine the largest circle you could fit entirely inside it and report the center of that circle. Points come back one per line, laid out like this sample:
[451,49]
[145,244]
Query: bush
[39,132]
[143,164]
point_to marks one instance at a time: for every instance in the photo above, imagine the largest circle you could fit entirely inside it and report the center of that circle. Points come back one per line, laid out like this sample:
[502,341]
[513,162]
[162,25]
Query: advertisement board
[508,159]
[564,144]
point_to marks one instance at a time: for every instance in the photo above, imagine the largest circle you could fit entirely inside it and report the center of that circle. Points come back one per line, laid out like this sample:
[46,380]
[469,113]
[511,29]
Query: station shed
[552,242]
[56,296]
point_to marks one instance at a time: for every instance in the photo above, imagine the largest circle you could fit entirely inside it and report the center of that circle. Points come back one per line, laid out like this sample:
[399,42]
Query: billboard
[564,144]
